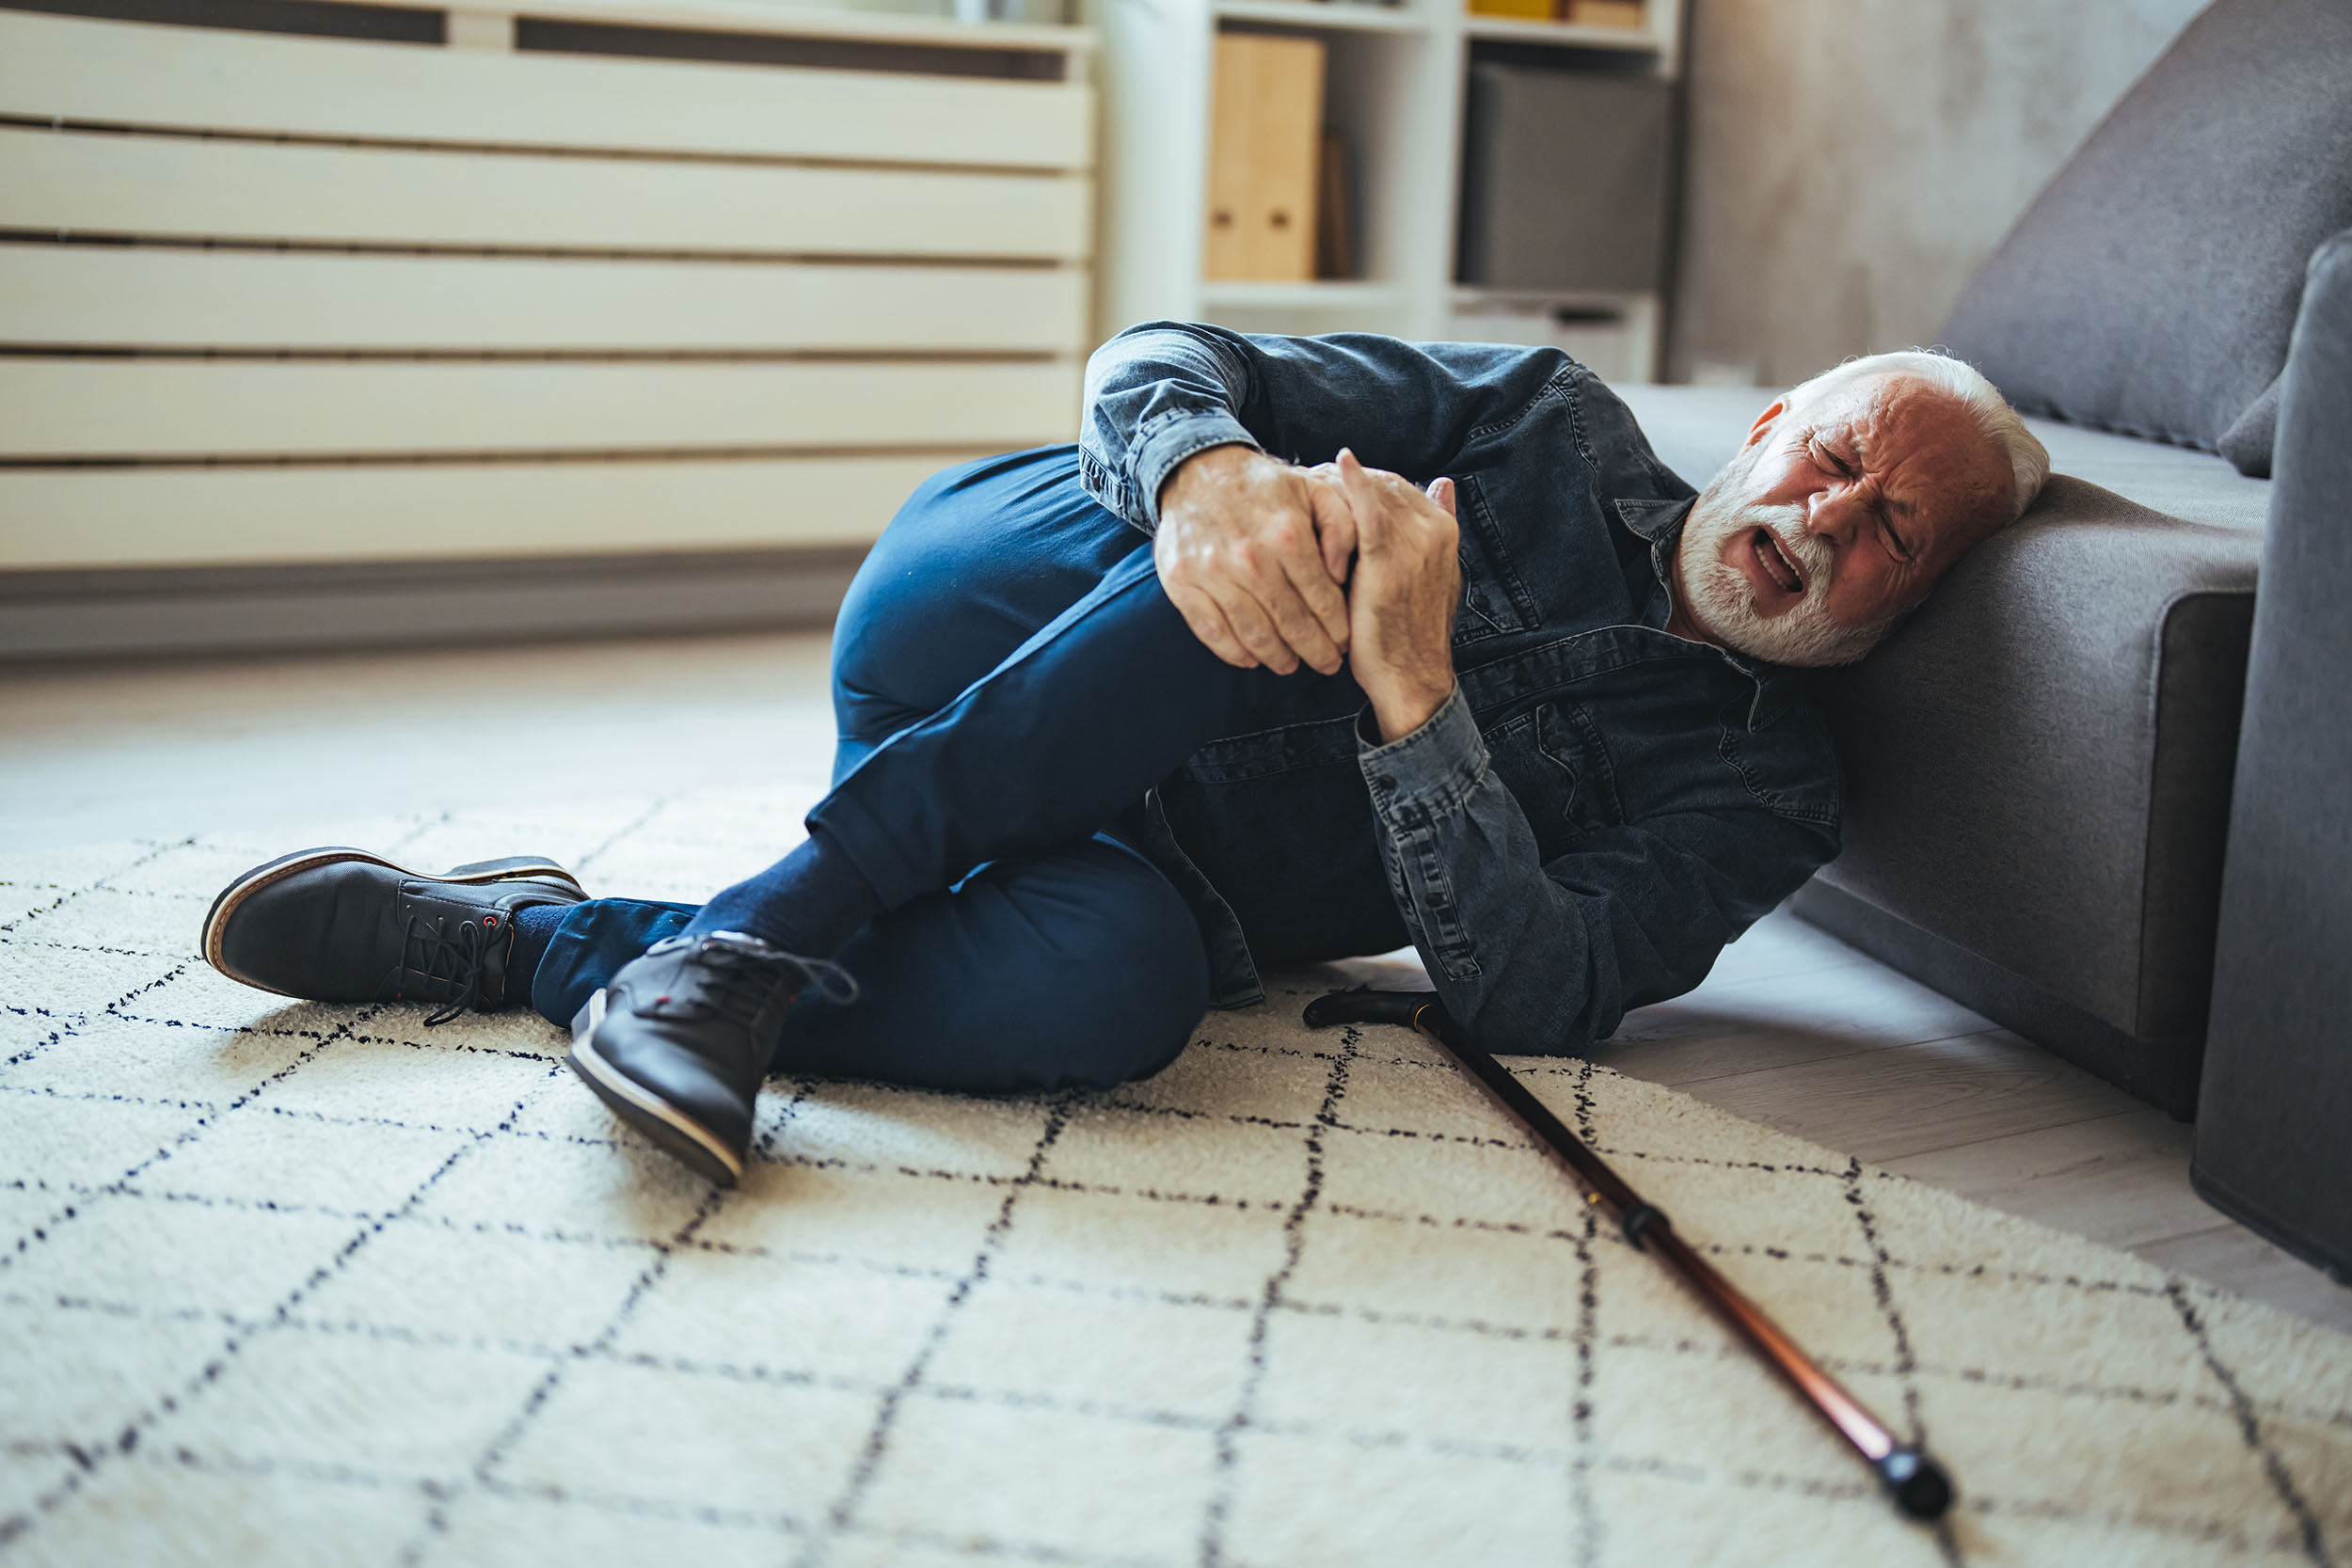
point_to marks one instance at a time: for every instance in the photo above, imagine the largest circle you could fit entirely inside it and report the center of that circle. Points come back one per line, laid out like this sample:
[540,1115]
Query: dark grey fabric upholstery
[2038,762]
[2274,1137]
[2151,288]
[2247,442]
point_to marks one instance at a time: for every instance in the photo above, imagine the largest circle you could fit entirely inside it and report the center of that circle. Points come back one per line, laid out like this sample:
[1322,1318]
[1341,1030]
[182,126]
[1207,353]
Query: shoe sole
[677,1133]
[225,907]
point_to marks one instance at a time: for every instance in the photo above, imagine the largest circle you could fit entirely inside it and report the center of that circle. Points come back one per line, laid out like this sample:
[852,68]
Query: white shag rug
[287,1283]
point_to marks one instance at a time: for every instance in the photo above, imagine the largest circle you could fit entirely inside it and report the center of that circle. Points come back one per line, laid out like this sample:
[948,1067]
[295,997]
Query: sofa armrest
[2276,1095]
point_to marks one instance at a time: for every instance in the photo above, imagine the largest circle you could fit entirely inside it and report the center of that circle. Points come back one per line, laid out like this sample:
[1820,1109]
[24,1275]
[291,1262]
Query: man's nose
[1832,511]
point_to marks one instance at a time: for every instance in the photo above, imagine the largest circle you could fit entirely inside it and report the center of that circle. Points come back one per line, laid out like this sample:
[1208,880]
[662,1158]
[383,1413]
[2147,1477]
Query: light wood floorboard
[1793,1028]
[1916,1099]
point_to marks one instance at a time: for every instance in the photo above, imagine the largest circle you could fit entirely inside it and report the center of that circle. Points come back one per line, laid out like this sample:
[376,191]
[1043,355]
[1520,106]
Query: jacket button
[1384,781]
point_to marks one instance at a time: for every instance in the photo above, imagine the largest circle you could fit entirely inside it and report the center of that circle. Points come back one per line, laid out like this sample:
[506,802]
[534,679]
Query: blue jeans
[1009,681]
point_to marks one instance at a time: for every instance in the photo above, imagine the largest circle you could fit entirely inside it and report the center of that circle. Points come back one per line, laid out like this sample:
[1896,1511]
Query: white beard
[1722,600]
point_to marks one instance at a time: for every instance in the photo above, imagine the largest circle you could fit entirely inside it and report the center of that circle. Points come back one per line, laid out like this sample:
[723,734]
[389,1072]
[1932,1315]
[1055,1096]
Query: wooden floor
[1794,1029]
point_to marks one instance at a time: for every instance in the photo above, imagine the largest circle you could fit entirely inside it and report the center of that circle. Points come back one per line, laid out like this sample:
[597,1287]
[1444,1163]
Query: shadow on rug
[304,1284]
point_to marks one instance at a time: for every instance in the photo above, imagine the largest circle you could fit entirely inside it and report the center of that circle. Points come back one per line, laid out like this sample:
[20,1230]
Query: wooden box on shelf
[1607,14]
[1266,158]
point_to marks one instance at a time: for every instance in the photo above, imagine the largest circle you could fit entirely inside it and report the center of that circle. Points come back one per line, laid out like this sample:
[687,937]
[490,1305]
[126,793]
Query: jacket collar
[1654,520]
[1659,523]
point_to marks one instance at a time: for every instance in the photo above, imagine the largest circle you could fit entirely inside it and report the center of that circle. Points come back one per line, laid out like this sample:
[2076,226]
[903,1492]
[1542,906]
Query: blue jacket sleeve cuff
[1429,772]
[1158,450]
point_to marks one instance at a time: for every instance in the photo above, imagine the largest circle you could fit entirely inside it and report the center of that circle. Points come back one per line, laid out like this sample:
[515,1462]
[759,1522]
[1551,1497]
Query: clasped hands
[1279,565]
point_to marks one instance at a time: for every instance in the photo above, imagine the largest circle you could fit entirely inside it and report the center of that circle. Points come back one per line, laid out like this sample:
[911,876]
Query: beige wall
[1852,160]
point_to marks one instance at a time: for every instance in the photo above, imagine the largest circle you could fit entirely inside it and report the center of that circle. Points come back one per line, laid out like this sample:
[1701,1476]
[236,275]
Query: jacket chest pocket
[1494,600]
[1557,766]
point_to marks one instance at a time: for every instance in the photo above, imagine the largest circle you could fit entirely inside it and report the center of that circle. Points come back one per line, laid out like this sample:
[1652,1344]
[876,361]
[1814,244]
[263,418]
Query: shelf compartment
[1322,294]
[1323,15]
[1470,296]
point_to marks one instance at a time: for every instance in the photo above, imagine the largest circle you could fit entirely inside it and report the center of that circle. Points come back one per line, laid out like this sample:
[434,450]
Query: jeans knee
[1128,998]
[918,625]
[877,674]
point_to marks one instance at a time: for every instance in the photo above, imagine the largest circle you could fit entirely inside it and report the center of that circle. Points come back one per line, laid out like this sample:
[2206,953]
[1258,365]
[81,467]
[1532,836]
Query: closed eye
[1828,458]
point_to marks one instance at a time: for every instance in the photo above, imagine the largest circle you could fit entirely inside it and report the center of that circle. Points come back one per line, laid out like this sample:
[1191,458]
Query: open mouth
[1774,563]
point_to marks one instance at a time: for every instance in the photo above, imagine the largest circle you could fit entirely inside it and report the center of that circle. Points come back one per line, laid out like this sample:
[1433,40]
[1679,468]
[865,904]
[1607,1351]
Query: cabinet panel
[127,73]
[118,408]
[80,517]
[172,296]
[183,186]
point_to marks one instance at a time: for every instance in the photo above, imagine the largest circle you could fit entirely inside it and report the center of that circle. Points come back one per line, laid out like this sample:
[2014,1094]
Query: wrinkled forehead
[1920,439]
[1873,398]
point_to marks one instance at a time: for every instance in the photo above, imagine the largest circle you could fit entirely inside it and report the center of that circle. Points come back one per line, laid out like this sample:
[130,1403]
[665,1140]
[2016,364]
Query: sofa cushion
[2152,287]
[2194,486]
[2247,442]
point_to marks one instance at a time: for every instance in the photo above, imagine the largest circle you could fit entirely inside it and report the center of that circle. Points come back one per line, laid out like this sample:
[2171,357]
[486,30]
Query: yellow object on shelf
[1524,11]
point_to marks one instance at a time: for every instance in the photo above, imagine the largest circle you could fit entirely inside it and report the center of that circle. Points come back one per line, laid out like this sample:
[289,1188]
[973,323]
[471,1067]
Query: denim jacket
[1597,808]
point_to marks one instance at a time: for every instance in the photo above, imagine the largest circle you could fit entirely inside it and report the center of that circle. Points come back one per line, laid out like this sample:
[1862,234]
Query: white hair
[2028,459]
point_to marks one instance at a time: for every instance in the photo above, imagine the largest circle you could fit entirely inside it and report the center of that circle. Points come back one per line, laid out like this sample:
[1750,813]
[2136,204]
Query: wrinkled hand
[1253,553]
[1406,588]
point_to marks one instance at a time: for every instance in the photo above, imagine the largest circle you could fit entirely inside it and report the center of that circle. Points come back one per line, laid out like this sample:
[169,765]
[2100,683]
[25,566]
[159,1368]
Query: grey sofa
[2039,763]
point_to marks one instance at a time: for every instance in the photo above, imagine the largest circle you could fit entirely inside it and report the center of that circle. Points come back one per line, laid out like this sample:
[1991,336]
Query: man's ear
[1764,422]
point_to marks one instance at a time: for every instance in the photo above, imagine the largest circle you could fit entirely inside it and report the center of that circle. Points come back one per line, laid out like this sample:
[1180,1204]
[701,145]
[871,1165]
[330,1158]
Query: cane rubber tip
[1918,1484]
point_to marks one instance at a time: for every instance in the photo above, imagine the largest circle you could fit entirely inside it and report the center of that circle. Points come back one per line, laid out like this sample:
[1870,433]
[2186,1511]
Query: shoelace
[429,947]
[749,970]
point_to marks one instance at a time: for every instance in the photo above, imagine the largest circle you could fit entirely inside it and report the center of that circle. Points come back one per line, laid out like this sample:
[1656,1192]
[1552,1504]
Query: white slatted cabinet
[270,300]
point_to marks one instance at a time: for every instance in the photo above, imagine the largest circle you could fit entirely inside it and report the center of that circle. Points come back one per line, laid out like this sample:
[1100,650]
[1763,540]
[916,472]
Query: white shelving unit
[1397,78]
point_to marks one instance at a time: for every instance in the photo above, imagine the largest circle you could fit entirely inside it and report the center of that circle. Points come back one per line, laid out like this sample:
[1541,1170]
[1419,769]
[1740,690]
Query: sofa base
[2332,1261]
[2163,1076]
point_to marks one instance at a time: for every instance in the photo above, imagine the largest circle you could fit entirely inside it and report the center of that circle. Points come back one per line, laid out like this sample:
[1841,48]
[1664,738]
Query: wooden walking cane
[1917,1483]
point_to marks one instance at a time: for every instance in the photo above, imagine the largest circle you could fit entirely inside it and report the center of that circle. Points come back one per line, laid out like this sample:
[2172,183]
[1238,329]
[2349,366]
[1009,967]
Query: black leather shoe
[340,924]
[680,1042]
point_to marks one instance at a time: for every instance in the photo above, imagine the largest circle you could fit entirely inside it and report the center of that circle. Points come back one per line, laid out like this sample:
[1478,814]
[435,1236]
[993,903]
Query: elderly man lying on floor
[1310,648]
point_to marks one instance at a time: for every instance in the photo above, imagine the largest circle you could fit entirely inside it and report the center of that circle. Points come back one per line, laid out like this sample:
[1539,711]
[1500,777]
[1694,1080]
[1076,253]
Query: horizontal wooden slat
[195,78]
[97,408]
[171,297]
[52,518]
[182,186]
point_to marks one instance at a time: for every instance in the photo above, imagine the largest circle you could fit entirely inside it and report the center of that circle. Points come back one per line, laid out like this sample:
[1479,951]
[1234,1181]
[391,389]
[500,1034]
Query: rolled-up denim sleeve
[1155,395]
[1159,392]
[1537,957]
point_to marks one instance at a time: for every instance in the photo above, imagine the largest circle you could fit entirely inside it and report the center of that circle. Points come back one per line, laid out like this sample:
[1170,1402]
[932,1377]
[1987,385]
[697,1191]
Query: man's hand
[1254,552]
[1407,590]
